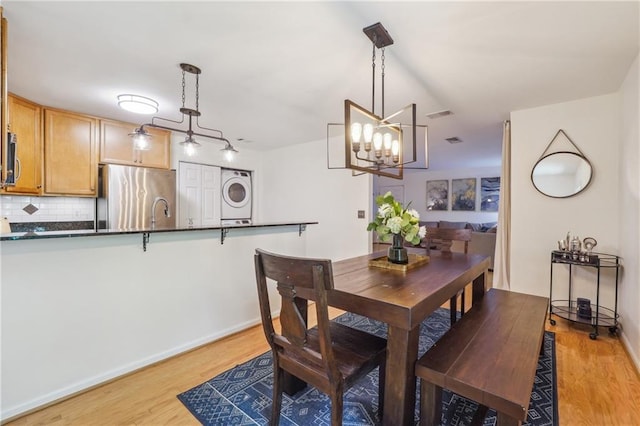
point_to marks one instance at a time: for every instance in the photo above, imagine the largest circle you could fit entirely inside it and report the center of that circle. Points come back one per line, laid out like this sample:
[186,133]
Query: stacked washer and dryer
[236,197]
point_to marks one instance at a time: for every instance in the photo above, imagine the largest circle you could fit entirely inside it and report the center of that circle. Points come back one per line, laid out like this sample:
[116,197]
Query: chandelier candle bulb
[387,144]
[395,151]
[356,133]
[367,131]
[377,144]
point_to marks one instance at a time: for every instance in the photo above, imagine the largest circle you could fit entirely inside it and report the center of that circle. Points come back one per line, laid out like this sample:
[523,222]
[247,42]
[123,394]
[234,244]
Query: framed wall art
[437,195]
[463,194]
[489,194]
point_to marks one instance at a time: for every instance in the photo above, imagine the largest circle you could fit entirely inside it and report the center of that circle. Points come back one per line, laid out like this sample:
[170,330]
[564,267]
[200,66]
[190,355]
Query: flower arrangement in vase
[396,223]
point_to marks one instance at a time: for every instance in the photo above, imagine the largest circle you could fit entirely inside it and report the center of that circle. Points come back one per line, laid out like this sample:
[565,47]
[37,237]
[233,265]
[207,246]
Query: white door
[199,195]
[190,199]
[210,196]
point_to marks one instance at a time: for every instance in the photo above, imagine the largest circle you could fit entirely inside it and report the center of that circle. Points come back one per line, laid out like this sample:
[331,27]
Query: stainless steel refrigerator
[135,198]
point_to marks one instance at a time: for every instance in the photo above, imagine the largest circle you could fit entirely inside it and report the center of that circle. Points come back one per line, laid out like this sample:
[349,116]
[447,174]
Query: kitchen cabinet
[70,153]
[116,146]
[25,122]
[199,195]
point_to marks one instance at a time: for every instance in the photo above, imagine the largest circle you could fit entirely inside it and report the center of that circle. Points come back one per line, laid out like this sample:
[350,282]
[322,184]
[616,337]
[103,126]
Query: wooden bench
[489,356]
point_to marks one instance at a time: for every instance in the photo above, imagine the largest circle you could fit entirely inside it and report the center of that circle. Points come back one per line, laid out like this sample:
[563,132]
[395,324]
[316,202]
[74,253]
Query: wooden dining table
[402,300]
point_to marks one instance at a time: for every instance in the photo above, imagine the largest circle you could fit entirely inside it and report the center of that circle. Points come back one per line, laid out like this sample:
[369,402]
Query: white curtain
[502,263]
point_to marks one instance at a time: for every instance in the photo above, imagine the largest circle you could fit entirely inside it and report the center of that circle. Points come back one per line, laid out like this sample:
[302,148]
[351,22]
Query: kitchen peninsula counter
[98,308]
[102,232]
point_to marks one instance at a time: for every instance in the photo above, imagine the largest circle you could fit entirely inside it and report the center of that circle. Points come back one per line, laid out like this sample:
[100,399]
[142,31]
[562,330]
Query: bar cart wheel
[593,336]
[613,330]
[552,321]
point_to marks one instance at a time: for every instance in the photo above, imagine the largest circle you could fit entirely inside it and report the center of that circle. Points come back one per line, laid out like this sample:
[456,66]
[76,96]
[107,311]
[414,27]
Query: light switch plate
[360,214]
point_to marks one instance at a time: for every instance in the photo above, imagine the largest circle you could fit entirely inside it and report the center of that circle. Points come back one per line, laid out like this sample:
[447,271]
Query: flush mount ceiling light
[141,137]
[379,144]
[137,104]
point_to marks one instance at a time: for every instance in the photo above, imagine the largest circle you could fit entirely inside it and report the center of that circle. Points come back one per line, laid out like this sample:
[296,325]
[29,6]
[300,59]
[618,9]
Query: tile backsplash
[17,209]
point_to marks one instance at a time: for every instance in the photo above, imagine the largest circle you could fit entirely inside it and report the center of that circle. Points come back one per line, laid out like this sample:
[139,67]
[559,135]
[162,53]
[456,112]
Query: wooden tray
[414,261]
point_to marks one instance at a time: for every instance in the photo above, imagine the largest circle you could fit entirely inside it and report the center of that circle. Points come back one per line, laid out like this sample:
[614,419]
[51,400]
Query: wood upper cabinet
[70,153]
[116,146]
[25,122]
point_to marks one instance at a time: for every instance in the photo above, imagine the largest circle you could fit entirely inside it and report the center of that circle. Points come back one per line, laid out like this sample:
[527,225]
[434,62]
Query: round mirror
[561,174]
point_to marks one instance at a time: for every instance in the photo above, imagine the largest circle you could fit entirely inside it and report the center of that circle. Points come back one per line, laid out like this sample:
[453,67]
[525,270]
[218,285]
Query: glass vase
[397,253]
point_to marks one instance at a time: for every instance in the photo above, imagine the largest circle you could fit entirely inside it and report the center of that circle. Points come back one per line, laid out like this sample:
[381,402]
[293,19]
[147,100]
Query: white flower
[395,224]
[422,232]
[385,210]
[391,217]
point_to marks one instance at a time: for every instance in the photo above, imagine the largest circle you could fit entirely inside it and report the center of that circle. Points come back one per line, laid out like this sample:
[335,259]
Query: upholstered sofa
[483,237]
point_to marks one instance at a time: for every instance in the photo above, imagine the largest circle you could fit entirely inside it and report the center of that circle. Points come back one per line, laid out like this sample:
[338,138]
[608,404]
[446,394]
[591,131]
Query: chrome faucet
[167,212]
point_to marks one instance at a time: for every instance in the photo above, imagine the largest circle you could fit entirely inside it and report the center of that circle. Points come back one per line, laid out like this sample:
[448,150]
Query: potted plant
[396,223]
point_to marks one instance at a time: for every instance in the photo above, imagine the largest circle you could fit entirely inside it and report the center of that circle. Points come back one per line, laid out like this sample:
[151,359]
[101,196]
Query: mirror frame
[579,155]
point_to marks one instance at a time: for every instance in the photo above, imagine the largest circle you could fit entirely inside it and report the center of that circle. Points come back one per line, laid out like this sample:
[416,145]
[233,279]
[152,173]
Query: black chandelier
[379,144]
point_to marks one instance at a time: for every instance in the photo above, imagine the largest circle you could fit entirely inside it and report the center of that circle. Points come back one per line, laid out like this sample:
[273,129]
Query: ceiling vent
[454,139]
[439,114]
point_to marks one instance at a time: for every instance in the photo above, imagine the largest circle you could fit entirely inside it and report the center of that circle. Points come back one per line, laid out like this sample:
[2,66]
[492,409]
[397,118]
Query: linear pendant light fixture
[374,143]
[141,138]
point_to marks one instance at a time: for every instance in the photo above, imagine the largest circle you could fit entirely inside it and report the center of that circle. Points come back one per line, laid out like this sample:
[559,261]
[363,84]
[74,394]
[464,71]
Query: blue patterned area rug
[242,395]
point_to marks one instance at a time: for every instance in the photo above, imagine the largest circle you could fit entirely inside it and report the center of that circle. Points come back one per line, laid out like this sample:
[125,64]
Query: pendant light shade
[190,145]
[141,139]
[229,152]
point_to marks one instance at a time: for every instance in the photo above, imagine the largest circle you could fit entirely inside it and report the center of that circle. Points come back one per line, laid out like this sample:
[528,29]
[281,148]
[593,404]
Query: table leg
[479,288]
[291,385]
[400,385]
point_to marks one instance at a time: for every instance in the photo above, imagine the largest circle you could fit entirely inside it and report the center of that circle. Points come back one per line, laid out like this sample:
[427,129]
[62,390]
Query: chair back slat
[294,323]
[448,235]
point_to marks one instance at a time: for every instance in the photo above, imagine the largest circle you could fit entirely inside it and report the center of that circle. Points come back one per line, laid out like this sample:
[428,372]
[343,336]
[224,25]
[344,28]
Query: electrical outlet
[360,214]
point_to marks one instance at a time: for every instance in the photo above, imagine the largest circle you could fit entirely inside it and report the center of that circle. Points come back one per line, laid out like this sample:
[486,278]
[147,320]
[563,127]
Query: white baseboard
[627,346]
[8,413]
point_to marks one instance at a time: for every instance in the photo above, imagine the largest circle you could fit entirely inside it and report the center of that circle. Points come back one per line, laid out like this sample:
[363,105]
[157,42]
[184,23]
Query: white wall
[538,222]
[629,217]
[415,190]
[296,185]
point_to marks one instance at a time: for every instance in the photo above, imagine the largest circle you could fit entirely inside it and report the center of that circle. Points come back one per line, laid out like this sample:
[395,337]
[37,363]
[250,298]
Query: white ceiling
[275,73]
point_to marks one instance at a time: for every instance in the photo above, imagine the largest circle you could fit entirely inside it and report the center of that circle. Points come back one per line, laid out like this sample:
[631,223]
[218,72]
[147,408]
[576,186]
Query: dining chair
[331,356]
[446,237]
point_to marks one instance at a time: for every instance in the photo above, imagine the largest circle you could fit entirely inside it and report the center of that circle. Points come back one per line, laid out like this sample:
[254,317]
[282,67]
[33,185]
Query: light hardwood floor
[597,383]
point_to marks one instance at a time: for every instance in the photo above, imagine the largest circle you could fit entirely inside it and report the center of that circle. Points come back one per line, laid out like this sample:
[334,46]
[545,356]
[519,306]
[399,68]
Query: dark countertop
[102,232]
